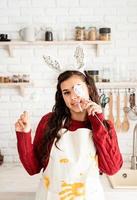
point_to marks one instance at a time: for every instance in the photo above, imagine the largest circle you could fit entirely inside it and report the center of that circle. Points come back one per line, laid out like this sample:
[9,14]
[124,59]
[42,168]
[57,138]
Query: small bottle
[15,78]
[1,158]
[105,34]
[26,78]
[49,35]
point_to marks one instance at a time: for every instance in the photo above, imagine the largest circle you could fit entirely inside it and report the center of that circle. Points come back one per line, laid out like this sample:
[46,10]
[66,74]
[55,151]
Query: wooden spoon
[110,115]
[125,123]
[118,121]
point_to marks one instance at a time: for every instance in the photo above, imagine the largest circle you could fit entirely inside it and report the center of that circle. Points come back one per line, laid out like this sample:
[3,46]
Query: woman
[72,143]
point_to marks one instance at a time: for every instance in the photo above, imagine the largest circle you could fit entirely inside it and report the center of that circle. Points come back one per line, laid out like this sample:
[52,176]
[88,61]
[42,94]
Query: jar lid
[105,30]
[93,72]
[92,27]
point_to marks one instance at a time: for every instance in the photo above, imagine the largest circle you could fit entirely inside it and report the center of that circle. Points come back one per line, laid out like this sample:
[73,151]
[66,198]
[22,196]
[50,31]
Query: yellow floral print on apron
[71,190]
[46,181]
[72,172]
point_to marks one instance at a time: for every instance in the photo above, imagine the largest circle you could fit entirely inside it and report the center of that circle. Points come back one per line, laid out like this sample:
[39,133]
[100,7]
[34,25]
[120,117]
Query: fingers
[94,108]
[17,126]
[84,103]
[91,107]
[23,123]
[24,117]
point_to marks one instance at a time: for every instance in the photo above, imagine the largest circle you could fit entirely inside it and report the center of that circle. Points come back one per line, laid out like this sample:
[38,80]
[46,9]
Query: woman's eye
[66,93]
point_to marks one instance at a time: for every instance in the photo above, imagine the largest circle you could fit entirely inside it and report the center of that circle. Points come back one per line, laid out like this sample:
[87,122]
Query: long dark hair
[60,111]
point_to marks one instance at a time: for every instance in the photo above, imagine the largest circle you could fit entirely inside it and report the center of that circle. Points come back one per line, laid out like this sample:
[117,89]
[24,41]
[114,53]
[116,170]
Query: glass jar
[6,79]
[92,33]
[105,34]
[79,33]
[1,79]
[94,74]
[86,34]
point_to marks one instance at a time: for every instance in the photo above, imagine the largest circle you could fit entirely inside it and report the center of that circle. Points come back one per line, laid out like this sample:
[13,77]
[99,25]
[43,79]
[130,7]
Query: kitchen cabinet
[20,86]
[9,46]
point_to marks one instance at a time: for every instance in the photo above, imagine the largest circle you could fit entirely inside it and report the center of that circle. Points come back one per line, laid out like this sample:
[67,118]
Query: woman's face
[70,97]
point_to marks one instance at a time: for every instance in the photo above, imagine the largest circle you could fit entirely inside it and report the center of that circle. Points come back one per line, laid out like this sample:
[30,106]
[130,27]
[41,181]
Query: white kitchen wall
[120,57]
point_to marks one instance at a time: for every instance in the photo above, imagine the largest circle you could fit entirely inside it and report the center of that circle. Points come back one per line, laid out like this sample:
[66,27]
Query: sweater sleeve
[105,139]
[27,150]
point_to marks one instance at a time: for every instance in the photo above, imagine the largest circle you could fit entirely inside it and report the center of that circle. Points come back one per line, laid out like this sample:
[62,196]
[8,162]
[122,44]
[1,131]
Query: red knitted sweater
[105,140]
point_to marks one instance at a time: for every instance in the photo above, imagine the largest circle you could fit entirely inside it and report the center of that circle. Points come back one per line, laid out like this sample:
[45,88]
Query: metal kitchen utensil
[104,100]
[78,90]
[110,115]
[132,109]
[132,112]
[80,93]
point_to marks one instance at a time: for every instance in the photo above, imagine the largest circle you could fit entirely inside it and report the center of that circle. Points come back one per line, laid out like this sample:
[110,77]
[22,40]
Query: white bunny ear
[53,64]
[79,56]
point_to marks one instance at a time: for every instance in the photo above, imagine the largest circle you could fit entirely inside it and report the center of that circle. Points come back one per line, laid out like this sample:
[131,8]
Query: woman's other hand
[23,123]
[91,107]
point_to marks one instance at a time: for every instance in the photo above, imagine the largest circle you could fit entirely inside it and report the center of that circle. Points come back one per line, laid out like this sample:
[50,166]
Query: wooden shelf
[10,45]
[116,85]
[20,86]
[100,85]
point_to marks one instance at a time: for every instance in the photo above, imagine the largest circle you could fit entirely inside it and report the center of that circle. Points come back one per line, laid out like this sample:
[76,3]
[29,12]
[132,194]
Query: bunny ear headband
[79,56]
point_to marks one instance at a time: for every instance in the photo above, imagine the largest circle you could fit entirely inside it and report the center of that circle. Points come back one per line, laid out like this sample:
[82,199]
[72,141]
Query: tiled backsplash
[119,57]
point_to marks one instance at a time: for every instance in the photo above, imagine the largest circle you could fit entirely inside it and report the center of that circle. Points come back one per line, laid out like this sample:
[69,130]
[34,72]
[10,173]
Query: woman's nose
[74,96]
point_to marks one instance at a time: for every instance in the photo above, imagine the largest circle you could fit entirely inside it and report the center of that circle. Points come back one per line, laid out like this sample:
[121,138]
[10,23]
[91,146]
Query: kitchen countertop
[116,194]
[13,178]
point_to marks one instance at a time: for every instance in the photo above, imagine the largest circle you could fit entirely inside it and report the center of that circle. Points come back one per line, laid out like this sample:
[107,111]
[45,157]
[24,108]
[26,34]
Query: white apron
[72,172]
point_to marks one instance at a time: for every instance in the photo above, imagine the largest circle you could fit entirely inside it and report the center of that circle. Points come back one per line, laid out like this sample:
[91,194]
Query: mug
[28,33]
[48,36]
[3,36]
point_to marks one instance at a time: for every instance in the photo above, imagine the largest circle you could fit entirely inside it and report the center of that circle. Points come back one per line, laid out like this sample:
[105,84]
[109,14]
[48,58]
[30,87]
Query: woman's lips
[78,106]
[75,104]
